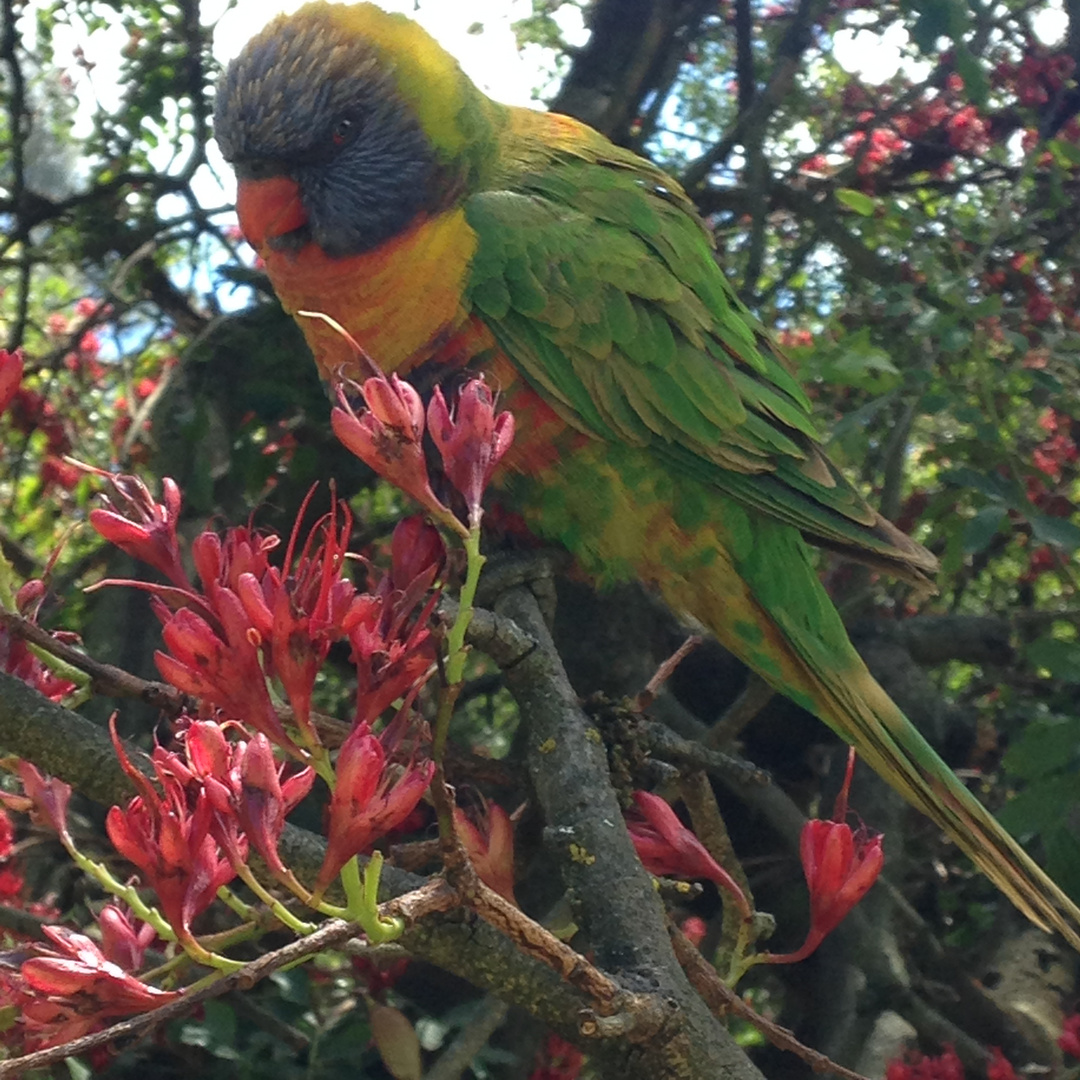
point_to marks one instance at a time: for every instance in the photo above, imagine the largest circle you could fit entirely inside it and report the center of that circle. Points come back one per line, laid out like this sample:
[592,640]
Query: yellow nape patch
[396,301]
[426,75]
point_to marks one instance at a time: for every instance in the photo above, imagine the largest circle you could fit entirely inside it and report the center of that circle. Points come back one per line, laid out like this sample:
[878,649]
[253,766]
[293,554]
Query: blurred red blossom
[916,1066]
[487,834]
[1070,1035]
[11,373]
[557,1059]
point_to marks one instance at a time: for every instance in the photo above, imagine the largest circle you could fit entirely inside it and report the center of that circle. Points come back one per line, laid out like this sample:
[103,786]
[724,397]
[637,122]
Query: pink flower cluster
[388,436]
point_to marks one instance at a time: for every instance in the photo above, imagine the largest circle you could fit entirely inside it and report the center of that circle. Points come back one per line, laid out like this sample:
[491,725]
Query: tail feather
[854,705]
[788,631]
[868,718]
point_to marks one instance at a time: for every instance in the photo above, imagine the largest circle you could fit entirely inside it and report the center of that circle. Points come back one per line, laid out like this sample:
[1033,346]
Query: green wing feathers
[601,286]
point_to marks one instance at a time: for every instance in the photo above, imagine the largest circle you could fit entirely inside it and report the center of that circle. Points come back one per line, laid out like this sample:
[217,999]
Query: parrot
[661,434]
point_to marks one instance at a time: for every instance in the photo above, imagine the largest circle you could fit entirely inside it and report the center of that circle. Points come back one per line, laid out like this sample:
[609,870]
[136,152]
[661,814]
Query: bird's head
[345,123]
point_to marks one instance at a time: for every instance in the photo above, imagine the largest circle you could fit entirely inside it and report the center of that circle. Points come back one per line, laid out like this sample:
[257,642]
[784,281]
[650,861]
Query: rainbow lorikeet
[660,435]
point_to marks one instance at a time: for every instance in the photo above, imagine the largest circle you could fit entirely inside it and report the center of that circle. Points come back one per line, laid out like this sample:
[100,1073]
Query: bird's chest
[396,302]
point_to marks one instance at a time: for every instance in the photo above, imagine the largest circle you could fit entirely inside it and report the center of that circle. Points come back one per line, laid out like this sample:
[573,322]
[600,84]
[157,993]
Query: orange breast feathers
[399,301]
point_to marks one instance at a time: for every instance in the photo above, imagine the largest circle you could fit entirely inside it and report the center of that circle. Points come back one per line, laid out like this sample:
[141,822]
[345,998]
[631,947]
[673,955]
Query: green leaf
[1060,658]
[1039,808]
[1063,854]
[982,528]
[216,1032]
[1066,152]
[78,1069]
[1053,530]
[1044,747]
[856,200]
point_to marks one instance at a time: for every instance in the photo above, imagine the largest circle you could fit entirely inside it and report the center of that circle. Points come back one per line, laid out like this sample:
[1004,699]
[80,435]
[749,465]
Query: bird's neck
[399,302]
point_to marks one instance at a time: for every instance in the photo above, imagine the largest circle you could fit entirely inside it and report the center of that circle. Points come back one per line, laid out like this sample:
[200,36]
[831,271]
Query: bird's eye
[344,130]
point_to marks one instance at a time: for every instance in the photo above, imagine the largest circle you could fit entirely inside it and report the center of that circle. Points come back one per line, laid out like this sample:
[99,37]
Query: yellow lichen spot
[593,735]
[581,855]
[683,887]
[547,746]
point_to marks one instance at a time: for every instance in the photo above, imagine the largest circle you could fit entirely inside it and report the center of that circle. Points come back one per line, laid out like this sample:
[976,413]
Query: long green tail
[785,627]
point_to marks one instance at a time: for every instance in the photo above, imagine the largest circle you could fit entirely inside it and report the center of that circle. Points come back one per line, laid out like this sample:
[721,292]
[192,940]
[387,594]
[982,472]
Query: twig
[722,1000]
[472,1038]
[539,942]
[756,694]
[434,896]
[106,679]
[697,793]
[664,672]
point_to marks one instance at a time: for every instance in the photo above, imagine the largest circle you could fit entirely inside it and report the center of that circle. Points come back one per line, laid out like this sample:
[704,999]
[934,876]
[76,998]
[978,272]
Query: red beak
[269,208]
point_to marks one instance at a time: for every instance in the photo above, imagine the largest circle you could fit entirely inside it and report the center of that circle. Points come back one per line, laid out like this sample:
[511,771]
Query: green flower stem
[128,893]
[213,942]
[234,903]
[207,958]
[455,641]
[362,900]
[323,766]
[204,982]
[456,650]
[281,912]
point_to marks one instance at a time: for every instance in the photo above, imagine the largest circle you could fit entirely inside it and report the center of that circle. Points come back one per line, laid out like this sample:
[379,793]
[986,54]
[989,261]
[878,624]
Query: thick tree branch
[613,895]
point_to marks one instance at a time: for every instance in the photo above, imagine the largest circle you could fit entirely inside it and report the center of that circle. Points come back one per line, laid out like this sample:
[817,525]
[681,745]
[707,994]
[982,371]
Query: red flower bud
[473,441]
[488,839]
[388,437]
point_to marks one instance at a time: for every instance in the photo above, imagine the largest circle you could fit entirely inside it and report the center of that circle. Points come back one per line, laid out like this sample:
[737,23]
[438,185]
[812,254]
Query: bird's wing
[600,285]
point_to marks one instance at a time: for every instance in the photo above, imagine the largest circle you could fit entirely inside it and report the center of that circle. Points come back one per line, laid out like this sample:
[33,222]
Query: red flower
[66,991]
[144,529]
[472,442]
[15,655]
[121,942]
[1070,1035]
[301,609]
[168,839]
[667,848]
[245,784]
[11,373]
[224,668]
[388,436]
[369,799]
[999,1068]
[488,838]
[44,798]
[557,1059]
[417,552]
[391,649]
[839,865]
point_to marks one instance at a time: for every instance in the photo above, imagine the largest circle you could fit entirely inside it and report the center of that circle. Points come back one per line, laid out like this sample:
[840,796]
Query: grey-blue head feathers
[306,101]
